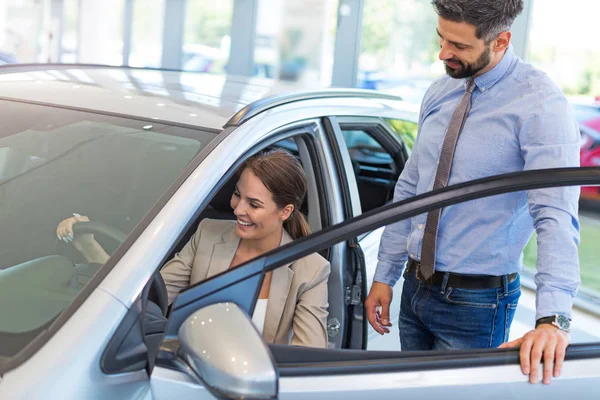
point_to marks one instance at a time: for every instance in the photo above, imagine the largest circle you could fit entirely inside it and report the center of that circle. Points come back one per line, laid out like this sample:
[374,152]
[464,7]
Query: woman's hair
[283,175]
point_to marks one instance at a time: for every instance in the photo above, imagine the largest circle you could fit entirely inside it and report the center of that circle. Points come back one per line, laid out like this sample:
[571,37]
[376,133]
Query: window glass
[570,56]
[147,33]
[359,138]
[21,31]
[99,30]
[399,48]
[374,168]
[54,163]
[405,129]
[206,39]
[295,40]
[69,43]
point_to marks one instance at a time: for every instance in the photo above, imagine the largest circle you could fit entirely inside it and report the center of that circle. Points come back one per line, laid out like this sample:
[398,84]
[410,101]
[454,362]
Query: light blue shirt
[519,120]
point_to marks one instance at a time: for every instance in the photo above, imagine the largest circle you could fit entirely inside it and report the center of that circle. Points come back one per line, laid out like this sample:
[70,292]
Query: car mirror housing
[227,354]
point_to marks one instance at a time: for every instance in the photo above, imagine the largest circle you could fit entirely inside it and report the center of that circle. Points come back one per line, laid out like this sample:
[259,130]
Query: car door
[373,152]
[356,374]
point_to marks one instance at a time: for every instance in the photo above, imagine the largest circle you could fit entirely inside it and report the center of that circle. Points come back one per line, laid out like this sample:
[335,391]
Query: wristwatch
[560,321]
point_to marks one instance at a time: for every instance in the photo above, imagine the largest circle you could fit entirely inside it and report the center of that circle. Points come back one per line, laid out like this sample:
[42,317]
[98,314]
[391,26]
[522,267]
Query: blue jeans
[440,317]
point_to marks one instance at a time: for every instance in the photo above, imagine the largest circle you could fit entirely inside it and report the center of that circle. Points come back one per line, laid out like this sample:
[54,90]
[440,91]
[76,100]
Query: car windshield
[55,163]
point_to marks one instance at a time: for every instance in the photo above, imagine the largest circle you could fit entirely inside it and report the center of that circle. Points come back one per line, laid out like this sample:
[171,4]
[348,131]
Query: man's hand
[546,343]
[379,296]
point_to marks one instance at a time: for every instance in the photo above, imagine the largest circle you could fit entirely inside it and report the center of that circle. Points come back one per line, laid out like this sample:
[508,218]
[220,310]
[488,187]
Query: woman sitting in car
[292,304]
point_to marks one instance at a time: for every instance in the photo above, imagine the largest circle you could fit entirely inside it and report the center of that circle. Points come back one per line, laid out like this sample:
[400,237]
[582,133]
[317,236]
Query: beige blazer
[297,307]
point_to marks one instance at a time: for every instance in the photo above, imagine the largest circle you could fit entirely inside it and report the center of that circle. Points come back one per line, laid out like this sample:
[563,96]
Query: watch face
[563,322]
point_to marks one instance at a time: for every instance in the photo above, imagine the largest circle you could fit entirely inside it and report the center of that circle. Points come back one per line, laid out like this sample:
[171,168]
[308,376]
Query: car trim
[262,105]
[358,362]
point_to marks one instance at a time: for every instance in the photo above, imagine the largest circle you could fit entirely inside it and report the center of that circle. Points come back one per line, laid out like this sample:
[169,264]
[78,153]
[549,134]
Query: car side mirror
[227,354]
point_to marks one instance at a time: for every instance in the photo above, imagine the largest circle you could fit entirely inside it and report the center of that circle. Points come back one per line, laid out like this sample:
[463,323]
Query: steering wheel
[100,229]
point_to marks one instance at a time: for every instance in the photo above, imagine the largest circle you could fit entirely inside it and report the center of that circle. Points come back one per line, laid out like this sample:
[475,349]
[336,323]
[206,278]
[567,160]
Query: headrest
[222,200]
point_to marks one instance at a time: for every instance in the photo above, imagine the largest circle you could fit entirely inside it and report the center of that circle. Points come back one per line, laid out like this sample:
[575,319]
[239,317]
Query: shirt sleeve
[550,139]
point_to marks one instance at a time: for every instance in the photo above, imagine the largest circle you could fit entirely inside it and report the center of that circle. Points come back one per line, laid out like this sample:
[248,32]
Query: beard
[467,70]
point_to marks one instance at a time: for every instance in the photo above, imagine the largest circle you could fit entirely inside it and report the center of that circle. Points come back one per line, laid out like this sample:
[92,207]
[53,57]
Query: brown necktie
[441,180]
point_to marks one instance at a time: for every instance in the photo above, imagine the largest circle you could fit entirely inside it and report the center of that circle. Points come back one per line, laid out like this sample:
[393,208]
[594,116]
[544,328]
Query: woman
[292,305]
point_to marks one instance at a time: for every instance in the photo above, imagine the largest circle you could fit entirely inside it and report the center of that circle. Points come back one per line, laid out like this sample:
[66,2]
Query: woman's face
[257,214]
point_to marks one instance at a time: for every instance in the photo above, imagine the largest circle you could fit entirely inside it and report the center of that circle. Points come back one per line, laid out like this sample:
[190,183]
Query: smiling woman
[266,203]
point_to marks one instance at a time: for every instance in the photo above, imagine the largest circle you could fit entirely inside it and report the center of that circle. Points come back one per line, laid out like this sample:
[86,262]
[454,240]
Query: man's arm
[550,138]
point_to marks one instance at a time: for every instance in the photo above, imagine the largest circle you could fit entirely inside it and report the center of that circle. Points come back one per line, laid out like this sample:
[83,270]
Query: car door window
[376,167]
[406,130]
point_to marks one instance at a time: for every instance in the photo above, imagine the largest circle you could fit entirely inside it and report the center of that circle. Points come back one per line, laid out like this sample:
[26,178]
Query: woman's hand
[64,231]
[83,242]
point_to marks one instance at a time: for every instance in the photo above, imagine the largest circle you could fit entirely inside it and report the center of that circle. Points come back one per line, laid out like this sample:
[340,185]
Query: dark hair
[490,17]
[283,175]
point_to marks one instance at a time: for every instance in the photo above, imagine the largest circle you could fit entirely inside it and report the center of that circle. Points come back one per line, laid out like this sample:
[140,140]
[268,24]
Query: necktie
[442,175]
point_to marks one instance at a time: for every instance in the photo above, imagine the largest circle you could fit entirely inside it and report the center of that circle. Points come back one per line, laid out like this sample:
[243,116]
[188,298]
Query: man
[491,114]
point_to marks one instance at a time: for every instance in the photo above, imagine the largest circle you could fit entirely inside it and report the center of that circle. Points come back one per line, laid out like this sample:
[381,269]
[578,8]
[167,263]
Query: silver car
[147,154]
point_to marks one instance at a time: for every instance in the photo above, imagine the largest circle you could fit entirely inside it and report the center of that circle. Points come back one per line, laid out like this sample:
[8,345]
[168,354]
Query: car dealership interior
[299,199]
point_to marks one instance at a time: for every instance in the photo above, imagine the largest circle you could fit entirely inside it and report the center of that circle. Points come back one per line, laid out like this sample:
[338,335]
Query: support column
[172,48]
[96,22]
[347,43]
[520,30]
[127,31]
[243,35]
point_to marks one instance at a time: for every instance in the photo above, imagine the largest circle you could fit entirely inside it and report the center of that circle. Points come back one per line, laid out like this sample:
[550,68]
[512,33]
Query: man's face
[463,54]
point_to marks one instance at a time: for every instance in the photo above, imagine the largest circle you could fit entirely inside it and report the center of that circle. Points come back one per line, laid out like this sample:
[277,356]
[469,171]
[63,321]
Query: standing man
[491,114]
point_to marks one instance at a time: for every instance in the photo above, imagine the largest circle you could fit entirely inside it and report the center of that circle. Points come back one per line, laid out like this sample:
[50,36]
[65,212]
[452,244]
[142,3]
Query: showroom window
[206,36]
[69,38]
[20,30]
[100,32]
[399,48]
[562,43]
[295,40]
[147,33]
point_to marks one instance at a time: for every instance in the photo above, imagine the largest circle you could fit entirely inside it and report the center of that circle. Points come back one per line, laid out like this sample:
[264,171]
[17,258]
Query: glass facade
[206,37]
[295,40]
[399,47]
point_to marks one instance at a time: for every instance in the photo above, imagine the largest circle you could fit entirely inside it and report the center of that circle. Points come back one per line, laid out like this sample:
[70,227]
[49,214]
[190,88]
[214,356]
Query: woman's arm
[310,317]
[176,273]
[85,243]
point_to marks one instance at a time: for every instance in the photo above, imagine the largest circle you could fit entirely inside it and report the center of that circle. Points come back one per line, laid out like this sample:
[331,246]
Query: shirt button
[420,226]
[412,255]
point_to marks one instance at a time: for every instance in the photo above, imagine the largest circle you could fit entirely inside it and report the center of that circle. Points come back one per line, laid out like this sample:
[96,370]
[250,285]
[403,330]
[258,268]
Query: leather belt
[464,281]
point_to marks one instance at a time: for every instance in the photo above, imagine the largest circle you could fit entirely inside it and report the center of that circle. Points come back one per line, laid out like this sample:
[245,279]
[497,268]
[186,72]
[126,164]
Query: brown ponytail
[283,175]
[297,225]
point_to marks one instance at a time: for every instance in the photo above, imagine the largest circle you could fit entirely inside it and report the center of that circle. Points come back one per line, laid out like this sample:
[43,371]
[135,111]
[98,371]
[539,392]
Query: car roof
[186,98]
[189,98]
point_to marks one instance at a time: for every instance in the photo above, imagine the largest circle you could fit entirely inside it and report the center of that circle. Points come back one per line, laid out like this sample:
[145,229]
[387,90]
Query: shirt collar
[493,76]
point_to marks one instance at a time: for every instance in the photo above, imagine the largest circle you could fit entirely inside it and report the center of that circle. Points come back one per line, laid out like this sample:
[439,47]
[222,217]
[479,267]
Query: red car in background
[588,118]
